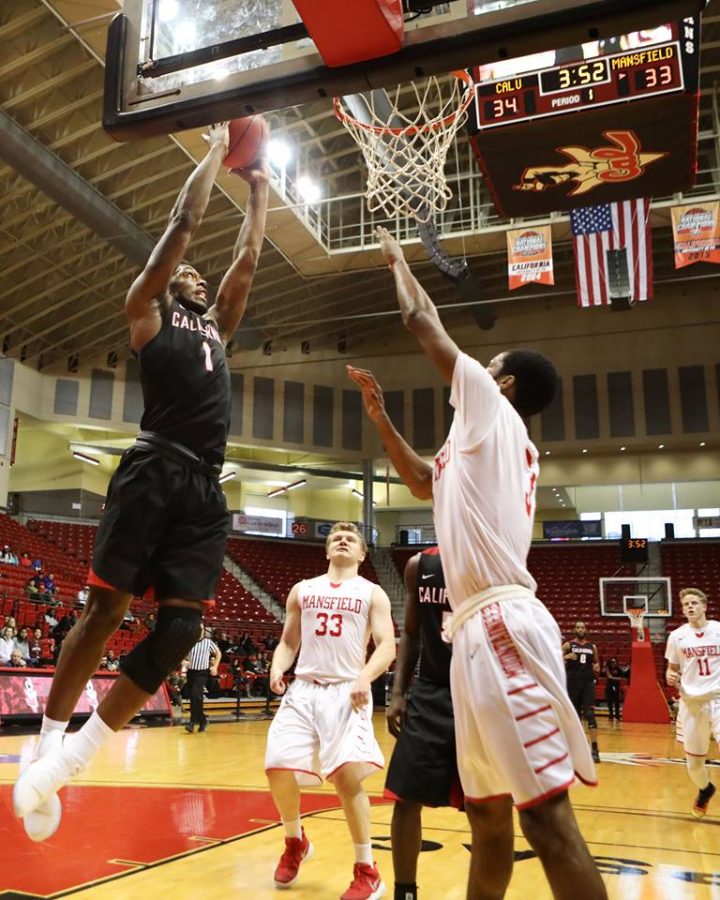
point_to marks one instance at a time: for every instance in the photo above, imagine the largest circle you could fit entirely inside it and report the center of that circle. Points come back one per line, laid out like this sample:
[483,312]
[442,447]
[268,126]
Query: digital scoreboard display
[583,85]
[634,550]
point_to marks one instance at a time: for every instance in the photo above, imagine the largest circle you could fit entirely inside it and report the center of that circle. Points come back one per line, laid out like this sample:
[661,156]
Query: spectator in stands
[112,662]
[36,653]
[150,621]
[22,643]
[50,618]
[613,689]
[7,644]
[60,631]
[37,565]
[10,623]
[175,683]
[257,668]
[25,560]
[48,588]
[32,588]
[8,556]
[245,644]
[17,661]
[223,642]
[270,642]
[81,598]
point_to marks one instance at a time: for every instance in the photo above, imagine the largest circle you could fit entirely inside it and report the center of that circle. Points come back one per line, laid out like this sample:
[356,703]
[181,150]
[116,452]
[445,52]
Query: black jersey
[432,604]
[582,667]
[186,383]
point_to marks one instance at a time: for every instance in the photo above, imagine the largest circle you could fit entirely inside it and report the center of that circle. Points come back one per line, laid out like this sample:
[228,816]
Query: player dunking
[323,728]
[165,520]
[693,655]
[518,737]
[423,767]
[582,664]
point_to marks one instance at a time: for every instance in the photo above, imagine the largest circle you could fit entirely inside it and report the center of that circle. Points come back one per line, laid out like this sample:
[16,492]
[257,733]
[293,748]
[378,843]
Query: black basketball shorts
[164,527]
[423,767]
[582,694]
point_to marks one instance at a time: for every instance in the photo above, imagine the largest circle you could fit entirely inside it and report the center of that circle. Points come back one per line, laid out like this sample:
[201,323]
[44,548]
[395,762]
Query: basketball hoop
[405,151]
[636,616]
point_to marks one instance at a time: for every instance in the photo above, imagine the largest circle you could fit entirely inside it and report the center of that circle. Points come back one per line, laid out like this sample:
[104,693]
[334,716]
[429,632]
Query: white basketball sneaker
[35,797]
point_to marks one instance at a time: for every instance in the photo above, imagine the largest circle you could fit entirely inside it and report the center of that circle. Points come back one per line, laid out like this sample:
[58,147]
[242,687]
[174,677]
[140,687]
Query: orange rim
[460,74]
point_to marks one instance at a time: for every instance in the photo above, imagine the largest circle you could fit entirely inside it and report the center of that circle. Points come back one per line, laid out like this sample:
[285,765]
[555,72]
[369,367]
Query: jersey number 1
[208,356]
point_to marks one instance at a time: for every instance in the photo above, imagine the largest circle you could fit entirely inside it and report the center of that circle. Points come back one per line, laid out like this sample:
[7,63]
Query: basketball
[247,137]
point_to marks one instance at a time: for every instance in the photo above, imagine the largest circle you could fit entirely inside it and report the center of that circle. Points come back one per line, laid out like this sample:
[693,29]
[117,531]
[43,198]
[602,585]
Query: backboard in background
[618,595]
[178,64]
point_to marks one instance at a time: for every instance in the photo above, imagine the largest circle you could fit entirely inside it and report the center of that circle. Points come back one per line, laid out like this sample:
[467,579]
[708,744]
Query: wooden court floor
[164,813]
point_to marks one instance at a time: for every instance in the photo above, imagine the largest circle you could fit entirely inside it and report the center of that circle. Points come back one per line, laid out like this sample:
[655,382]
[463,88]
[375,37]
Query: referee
[204,660]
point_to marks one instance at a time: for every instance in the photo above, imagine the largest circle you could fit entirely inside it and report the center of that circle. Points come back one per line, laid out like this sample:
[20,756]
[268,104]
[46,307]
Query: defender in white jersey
[693,655]
[323,728]
[518,737]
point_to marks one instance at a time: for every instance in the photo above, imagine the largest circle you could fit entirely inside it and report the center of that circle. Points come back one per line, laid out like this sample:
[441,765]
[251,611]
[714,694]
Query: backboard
[178,64]
[653,594]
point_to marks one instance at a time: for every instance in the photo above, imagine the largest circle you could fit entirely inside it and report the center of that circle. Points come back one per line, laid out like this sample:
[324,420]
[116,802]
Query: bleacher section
[277,565]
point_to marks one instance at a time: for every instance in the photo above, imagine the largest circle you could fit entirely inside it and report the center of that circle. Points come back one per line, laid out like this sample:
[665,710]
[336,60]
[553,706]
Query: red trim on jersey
[699,755]
[525,687]
[536,801]
[389,795]
[487,799]
[585,781]
[553,762]
[541,739]
[350,762]
[293,769]
[335,584]
[96,581]
[431,551]
[533,712]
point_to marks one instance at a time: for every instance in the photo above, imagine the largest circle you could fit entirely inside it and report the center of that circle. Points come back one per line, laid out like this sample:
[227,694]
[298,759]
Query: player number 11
[704,666]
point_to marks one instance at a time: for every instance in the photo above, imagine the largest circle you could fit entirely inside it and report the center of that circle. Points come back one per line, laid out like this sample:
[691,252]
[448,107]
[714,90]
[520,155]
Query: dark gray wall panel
[7,373]
[237,401]
[263,408]
[423,401]
[395,406]
[693,399]
[133,399]
[620,402]
[101,391]
[322,415]
[294,412]
[66,396]
[585,402]
[352,420]
[657,401]
[553,417]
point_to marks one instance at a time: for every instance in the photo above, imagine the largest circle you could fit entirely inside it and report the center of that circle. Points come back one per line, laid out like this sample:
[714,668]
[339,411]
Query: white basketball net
[636,617]
[405,144]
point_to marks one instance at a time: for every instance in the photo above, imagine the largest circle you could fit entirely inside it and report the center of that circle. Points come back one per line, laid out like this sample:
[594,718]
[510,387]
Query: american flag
[612,226]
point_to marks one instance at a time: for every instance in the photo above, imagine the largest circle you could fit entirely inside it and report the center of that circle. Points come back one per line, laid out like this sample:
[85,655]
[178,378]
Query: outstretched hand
[389,247]
[219,133]
[371,392]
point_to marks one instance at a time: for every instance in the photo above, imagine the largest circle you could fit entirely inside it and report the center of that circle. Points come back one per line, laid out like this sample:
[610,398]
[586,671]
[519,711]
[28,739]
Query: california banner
[696,232]
[530,256]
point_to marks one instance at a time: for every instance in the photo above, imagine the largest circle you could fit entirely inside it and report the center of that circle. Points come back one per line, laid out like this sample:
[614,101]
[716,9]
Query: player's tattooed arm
[287,649]
[413,470]
[419,313]
[408,650]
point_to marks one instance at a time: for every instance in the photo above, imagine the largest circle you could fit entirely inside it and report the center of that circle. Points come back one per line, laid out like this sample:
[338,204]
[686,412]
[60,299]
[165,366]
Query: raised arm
[419,314]
[383,634]
[413,470]
[287,649]
[143,305]
[408,651]
[232,296]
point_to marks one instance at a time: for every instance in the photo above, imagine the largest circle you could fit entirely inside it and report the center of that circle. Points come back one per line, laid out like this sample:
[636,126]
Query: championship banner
[696,231]
[530,256]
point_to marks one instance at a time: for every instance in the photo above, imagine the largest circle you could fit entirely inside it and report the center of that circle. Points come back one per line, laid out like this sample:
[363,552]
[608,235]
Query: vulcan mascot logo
[620,161]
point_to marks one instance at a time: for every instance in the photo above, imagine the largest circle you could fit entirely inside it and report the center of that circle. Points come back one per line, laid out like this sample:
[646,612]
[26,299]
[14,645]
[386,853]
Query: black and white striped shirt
[201,653]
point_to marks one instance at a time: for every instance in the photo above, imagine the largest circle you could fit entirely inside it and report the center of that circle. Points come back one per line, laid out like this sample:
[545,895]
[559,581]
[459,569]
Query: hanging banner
[258,524]
[696,231]
[530,256]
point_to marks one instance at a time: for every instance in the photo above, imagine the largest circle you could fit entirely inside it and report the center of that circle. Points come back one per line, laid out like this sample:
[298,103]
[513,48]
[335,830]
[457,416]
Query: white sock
[49,726]
[293,828]
[363,853]
[697,770]
[84,744]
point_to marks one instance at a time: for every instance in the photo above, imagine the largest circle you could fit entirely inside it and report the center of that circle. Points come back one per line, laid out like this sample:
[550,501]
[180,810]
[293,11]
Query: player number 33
[330,625]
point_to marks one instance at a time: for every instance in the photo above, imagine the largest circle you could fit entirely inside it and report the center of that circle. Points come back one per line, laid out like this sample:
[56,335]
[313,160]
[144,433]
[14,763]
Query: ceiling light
[227,476]
[274,493]
[702,443]
[585,450]
[86,459]
[279,152]
[661,446]
[623,448]
[287,487]
[547,453]
[308,189]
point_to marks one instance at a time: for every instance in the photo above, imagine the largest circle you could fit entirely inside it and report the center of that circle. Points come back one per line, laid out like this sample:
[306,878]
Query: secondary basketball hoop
[636,616]
[405,136]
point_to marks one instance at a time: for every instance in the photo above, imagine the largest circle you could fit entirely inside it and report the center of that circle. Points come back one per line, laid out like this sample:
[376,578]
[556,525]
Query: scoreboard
[582,85]
[606,129]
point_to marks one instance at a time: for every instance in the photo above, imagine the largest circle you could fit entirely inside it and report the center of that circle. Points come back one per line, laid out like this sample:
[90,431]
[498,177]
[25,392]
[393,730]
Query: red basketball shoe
[297,850]
[366,884]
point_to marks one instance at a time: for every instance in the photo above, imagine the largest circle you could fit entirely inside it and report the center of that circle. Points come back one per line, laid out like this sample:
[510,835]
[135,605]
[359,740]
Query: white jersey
[697,653]
[484,488]
[335,626]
